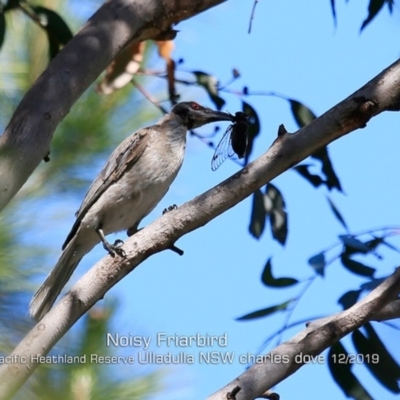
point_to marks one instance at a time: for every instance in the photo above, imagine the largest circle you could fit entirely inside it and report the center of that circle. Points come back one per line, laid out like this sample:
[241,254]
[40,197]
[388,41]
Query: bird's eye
[195,106]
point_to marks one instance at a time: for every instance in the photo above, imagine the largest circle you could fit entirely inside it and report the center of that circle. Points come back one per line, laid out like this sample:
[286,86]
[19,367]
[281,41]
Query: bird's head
[194,115]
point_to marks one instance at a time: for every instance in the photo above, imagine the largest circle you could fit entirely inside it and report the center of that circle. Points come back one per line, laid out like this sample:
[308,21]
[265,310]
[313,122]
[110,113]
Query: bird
[135,178]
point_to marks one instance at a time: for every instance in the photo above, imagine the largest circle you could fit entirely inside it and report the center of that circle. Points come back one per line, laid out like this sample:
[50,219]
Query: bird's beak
[206,116]
[215,116]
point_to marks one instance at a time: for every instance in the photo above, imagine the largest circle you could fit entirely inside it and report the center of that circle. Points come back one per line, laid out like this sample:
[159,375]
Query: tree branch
[380,94]
[26,140]
[288,357]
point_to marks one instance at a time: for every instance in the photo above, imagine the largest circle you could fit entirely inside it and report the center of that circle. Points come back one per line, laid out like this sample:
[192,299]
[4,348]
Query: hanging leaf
[373,9]
[54,45]
[349,299]
[337,213]
[342,375]
[315,180]
[302,114]
[357,267]
[11,4]
[374,283]
[378,360]
[265,311]
[268,280]
[210,84]
[333,9]
[332,181]
[374,243]
[318,263]
[165,49]
[57,30]
[353,245]
[274,205]
[253,129]
[122,69]
[2,28]
[258,217]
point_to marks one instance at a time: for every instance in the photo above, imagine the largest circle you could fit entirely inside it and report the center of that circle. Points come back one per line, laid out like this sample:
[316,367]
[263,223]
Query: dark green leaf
[372,284]
[57,30]
[258,216]
[337,213]
[342,375]
[53,24]
[302,115]
[54,45]
[333,8]
[357,267]
[278,215]
[265,311]
[268,280]
[349,299]
[11,4]
[373,9]
[2,28]
[210,84]
[354,245]
[318,263]
[374,243]
[332,181]
[378,360]
[315,180]
[254,128]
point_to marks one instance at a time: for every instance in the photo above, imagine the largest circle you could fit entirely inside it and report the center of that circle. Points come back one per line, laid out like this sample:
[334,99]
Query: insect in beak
[234,141]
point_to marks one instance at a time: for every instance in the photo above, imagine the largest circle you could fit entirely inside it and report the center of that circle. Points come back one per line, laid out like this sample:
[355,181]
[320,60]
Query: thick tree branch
[26,140]
[287,358]
[380,94]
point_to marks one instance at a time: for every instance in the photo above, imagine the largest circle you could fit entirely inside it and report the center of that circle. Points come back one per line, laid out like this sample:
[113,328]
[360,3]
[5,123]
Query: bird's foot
[170,208]
[115,249]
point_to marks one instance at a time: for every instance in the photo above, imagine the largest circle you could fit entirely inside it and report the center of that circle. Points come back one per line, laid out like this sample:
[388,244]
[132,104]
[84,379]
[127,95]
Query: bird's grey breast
[141,187]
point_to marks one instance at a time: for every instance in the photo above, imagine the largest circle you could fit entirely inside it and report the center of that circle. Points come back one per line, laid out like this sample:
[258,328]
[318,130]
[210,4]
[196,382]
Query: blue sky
[294,49]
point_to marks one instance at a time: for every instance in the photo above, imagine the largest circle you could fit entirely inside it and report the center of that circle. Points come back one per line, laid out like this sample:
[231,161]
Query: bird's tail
[47,294]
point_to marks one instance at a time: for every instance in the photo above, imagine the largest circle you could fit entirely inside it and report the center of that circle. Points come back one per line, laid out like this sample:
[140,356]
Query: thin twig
[252,15]
[296,301]
[149,96]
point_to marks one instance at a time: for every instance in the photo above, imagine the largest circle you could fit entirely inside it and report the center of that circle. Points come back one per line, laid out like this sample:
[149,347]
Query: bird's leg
[112,249]
[133,229]
[177,250]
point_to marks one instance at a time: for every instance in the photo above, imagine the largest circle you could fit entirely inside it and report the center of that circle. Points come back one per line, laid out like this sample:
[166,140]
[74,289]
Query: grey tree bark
[290,356]
[26,140]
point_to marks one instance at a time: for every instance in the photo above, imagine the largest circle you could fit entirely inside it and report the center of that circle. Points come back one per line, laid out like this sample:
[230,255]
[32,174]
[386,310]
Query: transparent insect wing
[223,150]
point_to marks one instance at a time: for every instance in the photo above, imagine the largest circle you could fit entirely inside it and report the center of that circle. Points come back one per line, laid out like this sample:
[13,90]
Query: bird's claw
[118,243]
[170,208]
[115,249]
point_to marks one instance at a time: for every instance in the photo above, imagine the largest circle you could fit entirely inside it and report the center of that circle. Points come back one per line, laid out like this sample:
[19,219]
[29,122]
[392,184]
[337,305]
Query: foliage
[95,124]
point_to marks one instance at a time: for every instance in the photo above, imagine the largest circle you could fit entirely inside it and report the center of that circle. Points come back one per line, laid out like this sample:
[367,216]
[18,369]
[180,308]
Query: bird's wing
[122,159]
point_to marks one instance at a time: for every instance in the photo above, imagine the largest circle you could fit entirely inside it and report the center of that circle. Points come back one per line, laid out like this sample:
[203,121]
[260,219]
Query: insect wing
[223,150]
